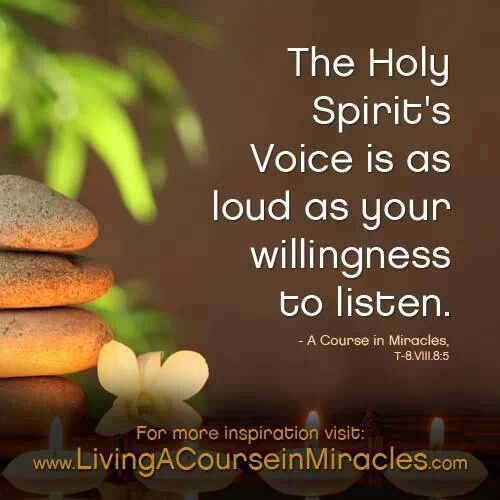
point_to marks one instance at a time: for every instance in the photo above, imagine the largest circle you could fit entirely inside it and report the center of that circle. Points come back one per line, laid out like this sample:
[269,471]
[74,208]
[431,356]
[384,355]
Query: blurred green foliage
[124,309]
[61,104]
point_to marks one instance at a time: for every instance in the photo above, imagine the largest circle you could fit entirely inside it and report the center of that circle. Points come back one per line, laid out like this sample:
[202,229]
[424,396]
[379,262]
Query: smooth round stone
[48,280]
[36,218]
[29,405]
[55,341]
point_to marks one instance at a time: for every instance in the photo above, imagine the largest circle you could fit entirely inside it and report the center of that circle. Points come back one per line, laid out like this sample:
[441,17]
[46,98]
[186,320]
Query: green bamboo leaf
[155,73]
[160,78]
[65,168]
[26,128]
[156,139]
[62,12]
[30,109]
[172,21]
[92,73]
[7,59]
[108,130]
[190,134]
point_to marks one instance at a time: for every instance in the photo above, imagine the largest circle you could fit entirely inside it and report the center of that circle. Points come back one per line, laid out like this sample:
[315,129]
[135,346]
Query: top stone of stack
[35,218]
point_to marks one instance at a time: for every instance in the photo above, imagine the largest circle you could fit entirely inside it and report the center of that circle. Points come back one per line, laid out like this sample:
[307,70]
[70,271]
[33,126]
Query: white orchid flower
[147,391]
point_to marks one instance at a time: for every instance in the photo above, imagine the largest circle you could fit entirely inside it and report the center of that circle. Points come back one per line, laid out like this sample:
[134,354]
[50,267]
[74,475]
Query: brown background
[245,92]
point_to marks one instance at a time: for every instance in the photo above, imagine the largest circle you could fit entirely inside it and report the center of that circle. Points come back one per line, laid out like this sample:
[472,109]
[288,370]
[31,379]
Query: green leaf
[114,300]
[172,21]
[190,133]
[108,130]
[66,162]
[27,128]
[156,139]
[30,108]
[62,12]
[155,73]
[7,59]
[161,79]
[92,73]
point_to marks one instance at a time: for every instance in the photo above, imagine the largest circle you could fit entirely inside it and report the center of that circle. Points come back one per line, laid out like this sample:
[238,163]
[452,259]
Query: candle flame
[313,421]
[56,436]
[436,438]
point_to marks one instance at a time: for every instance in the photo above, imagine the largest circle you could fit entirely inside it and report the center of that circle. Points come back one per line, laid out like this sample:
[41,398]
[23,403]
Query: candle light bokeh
[311,483]
[435,483]
[21,472]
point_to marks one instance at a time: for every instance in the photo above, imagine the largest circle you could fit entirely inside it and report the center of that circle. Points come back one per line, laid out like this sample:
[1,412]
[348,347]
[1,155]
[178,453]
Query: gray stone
[36,218]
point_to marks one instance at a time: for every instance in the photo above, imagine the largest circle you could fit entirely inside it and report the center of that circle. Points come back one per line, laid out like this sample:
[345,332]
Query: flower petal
[182,375]
[179,416]
[155,418]
[149,367]
[118,370]
[183,416]
[116,421]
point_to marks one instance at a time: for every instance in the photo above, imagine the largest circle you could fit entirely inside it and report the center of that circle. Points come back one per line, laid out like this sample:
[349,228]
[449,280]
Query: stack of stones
[40,275]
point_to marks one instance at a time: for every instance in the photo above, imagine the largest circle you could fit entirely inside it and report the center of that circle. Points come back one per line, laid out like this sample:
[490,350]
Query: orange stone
[49,280]
[28,405]
[53,341]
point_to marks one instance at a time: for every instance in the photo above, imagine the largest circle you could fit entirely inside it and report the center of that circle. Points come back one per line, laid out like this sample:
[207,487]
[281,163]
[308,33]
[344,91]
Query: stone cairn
[41,337]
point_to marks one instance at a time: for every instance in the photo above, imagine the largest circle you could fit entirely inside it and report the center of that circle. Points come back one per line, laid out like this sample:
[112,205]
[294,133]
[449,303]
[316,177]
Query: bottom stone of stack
[29,405]
[55,341]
